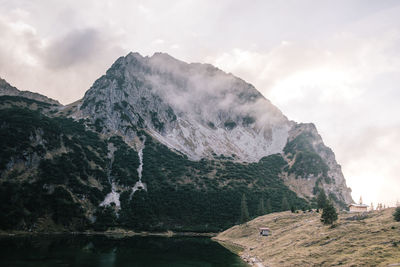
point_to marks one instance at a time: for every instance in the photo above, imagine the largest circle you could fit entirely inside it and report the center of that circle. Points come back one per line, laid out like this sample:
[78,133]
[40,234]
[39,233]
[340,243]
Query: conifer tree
[261,208]
[268,207]
[244,211]
[329,214]
[285,204]
[396,214]
[322,200]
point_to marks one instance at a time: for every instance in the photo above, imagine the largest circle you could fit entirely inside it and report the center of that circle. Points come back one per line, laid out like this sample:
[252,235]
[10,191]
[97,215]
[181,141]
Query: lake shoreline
[242,251]
[118,233]
[121,234]
[92,250]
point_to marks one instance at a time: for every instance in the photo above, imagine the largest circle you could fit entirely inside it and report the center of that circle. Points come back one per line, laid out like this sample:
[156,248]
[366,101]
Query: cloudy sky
[334,63]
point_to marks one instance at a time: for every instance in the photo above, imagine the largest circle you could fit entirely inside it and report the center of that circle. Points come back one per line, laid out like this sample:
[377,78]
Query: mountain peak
[156,56]
[162,55]
[8,89]
[202,112]
[195,134]
[195,108]
[135,55]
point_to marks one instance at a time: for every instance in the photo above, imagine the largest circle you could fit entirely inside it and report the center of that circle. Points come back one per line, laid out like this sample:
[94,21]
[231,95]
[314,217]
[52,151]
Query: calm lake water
[101,251]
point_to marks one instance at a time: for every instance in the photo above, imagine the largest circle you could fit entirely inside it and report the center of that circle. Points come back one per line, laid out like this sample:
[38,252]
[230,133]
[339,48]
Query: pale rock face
[196,109]
[200,111]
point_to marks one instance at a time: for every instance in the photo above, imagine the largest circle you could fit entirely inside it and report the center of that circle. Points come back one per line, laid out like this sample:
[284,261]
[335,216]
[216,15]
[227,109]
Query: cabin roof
[359,205]
[264,228]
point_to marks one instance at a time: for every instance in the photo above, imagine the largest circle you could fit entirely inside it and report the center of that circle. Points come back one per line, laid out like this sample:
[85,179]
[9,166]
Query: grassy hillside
[300,239]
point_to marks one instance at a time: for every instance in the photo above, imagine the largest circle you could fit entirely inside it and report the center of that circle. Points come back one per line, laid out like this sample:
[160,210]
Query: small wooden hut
[264,231]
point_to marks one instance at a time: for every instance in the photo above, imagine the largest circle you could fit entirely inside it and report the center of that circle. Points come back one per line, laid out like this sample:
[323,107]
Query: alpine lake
[110,251]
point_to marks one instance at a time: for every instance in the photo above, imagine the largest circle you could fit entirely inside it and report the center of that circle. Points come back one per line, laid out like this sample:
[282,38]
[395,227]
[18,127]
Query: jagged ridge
[203,112]
[8,90]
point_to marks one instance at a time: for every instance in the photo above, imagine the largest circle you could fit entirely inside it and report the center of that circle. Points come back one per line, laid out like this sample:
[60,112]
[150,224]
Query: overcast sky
[334,63]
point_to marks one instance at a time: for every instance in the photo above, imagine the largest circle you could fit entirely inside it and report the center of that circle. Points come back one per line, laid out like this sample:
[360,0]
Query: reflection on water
[80,250]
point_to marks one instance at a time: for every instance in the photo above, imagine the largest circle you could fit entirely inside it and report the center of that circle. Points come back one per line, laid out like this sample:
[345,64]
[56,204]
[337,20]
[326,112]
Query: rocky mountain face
[310,162]
[196,109]
[157,144]
[7,90]
[203,112]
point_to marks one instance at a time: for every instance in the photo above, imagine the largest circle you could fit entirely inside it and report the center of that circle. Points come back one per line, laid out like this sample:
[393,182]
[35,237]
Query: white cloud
[61,67]
[333,89]
[175,46]
[346,84]
[158,42]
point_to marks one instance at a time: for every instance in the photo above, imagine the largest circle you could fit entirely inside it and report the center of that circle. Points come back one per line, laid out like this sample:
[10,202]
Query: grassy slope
[301,240]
